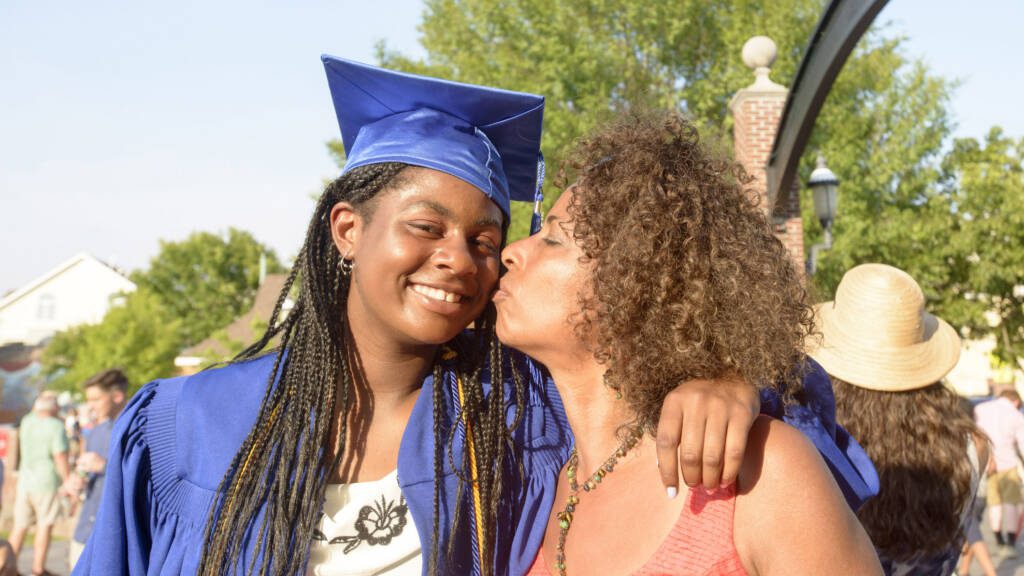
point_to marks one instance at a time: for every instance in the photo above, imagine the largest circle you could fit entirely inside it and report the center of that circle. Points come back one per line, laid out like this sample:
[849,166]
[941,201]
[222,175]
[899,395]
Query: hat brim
[882,368]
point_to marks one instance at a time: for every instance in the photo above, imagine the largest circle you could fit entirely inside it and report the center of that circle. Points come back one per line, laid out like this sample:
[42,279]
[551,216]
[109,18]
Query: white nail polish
[671,492]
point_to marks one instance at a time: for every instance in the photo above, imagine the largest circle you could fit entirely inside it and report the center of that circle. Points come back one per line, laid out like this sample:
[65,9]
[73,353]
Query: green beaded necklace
[565,516]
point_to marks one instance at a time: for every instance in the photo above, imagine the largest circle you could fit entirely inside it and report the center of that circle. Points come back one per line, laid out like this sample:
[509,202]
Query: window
[47,307]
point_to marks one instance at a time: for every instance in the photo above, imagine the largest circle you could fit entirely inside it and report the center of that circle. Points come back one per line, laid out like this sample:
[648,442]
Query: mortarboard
[485,136]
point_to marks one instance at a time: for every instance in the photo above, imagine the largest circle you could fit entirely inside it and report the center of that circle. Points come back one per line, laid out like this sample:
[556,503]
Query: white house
[79,291]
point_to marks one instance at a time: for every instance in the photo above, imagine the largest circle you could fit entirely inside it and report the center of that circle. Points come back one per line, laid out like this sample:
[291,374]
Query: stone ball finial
[759,52]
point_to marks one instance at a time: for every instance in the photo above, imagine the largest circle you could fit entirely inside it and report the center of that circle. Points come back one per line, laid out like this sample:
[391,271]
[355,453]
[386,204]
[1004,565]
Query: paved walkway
[56,559]
[1004,566]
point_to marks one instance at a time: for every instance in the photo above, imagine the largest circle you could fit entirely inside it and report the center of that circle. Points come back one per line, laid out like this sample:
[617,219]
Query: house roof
[75,260]
[241,329]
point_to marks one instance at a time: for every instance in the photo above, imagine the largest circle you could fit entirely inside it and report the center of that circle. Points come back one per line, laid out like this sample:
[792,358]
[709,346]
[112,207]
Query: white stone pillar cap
[759,54]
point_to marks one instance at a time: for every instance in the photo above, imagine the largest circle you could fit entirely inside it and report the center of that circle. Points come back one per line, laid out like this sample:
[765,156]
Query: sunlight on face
[538,299]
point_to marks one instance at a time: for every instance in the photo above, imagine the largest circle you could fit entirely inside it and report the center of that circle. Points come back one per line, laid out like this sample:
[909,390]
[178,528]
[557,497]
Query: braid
[484,418]
[281,468]
[438,397]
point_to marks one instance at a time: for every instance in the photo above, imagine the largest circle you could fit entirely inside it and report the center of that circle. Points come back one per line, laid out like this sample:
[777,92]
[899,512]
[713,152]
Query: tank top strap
[701,542]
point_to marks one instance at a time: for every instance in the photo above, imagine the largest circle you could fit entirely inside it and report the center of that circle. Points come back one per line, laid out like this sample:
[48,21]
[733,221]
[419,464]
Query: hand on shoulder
[791,517]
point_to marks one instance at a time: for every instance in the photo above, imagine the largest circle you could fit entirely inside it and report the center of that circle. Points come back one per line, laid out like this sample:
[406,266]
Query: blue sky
[122,123]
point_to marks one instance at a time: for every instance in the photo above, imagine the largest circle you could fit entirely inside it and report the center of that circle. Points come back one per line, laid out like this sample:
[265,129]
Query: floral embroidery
[376,525]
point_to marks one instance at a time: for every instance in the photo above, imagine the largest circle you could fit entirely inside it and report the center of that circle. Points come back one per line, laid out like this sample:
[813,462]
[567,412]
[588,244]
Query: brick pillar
[756,112]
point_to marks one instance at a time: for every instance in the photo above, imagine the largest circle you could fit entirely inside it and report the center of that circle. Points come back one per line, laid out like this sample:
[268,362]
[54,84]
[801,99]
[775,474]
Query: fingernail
[657,461]
[671,492]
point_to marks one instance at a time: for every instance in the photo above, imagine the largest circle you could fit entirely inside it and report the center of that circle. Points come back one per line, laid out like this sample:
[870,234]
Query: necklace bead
[565,516]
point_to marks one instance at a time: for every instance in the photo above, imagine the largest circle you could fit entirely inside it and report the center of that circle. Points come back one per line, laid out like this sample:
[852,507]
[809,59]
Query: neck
[113,414]
[594,412]
[386,381]
[391,376]
[386,367]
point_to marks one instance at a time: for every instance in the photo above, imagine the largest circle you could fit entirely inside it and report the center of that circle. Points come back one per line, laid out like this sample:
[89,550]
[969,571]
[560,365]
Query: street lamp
[825,191]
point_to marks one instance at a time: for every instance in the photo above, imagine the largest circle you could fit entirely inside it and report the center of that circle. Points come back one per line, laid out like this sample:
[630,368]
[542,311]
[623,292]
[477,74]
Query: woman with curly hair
[887,357]
[658,264]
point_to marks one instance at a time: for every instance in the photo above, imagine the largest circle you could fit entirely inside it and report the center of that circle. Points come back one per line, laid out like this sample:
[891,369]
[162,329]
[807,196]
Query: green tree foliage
[881,129]
[192,289]
[336,151]
[139,336]
[985,184]
[206,280]
[885,145]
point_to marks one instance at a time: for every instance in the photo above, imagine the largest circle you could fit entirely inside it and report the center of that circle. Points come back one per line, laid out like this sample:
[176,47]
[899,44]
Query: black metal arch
[841,26]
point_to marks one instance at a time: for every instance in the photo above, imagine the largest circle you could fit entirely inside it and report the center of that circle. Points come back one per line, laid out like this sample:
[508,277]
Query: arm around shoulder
[791,517]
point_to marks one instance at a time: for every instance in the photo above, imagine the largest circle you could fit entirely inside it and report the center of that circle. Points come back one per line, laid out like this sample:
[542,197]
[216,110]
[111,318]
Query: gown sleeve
[150,521]
[814,414]
[120,539]
[544,442]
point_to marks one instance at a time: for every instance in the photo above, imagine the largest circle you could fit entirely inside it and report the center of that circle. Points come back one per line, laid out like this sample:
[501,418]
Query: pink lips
[502,293]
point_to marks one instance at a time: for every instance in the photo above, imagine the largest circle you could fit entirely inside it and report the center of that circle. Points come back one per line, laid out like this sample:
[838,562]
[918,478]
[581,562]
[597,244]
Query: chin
[508,336]
[436,336]
[436,329]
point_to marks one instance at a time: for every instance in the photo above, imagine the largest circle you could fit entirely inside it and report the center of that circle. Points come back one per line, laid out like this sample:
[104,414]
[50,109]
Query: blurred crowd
[60,463]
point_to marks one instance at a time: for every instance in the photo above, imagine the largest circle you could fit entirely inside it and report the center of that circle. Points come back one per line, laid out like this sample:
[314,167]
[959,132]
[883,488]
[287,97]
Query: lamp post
[825,191]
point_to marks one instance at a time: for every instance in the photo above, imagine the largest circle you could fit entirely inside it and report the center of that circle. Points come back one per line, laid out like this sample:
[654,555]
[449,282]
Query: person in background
[975,546]
[1003,423]
[44,467]
[8,561]
[73,429]
[887,357]
[105,395]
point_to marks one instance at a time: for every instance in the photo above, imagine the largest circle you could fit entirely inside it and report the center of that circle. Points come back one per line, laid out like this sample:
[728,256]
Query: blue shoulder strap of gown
[815,416]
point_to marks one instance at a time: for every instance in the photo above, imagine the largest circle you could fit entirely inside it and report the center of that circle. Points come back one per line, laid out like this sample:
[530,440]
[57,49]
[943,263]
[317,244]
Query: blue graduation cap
[485,136]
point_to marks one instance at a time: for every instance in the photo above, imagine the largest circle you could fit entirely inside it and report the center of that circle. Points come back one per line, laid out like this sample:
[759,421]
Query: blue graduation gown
[176,438]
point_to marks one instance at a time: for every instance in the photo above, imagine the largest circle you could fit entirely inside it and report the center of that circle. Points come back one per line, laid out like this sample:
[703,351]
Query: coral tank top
[700,544]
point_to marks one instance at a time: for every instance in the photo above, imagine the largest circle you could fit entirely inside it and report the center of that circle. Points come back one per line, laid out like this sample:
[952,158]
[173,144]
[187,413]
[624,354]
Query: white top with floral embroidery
[365,530]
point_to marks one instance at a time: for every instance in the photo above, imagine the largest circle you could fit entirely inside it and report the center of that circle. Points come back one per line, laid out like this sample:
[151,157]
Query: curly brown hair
[688,279]
[917,440]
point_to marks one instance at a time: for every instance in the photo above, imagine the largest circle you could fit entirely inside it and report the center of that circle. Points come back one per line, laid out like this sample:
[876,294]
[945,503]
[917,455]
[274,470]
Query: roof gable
[62,268]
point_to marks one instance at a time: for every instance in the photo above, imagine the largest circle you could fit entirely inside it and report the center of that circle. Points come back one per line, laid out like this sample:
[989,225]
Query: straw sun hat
[876,334]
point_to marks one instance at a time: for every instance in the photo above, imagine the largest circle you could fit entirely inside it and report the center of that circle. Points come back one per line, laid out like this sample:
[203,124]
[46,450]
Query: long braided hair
[272,493]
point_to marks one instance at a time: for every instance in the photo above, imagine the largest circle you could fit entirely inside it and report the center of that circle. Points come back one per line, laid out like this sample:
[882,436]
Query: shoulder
[991,406]
[51,425]
[777,455]
[99,436]
[785,489]
[193,425]
[222,391]
[215,411]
